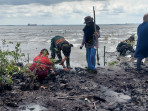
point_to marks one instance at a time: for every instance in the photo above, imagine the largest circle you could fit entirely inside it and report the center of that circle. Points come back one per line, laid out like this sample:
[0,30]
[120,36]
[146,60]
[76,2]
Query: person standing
[90,40]
[142,42]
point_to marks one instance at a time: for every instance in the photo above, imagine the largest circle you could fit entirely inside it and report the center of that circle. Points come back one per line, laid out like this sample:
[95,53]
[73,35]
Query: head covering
[145,18]
[132,37]
[44,51]
[88,19]
[66,48]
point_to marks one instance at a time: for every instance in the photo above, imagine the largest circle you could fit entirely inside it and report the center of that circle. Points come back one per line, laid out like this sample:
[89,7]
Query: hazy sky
[47,12]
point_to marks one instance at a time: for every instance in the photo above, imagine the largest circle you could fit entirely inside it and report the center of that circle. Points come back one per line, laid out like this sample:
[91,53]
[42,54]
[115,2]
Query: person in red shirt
[42,66]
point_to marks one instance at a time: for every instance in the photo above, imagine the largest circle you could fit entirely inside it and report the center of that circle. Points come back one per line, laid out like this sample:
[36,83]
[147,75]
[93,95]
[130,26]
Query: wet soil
[117,88]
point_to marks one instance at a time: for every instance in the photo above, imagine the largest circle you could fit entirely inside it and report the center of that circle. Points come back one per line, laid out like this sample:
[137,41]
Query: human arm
[83,42]
[97,32]
[62,61]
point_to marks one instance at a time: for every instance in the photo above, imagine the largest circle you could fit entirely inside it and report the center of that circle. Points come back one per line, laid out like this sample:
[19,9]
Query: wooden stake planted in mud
[104,54]
[28,57]
[96,37]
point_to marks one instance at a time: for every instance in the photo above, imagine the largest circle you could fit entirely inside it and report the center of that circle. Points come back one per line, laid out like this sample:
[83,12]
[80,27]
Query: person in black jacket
[90,39]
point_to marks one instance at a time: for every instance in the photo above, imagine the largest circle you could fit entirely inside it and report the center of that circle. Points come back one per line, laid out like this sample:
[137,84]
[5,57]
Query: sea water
[35,38]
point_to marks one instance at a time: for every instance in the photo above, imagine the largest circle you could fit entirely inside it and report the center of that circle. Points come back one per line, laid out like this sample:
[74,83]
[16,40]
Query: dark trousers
[139,63]
[124,49]
[55,51]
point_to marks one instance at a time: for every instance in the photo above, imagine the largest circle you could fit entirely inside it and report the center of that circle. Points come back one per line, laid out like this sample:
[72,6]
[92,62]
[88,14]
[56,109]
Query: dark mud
[118,88]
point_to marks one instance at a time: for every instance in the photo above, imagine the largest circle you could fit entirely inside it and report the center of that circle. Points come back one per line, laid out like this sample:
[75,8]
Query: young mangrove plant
[7,67]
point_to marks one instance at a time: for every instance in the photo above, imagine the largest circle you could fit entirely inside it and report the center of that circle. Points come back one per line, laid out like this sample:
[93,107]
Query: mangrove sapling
[7,67]
[3,43]
[53,61]
[16,54]
[5,78]
[31,82]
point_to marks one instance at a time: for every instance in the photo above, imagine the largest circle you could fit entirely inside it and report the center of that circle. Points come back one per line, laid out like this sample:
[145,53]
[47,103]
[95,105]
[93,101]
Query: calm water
[35,38]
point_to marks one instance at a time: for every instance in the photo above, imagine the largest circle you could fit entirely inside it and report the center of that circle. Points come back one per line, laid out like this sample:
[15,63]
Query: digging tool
[96,37]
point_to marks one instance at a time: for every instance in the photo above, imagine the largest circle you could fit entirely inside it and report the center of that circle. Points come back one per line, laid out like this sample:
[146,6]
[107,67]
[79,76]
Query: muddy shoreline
[116,88]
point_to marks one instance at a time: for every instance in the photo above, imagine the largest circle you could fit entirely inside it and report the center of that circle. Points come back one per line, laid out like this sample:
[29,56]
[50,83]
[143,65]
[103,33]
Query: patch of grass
[112,63]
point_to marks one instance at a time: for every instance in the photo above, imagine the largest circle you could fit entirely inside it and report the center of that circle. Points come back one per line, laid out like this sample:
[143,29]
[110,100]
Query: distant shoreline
[72,24]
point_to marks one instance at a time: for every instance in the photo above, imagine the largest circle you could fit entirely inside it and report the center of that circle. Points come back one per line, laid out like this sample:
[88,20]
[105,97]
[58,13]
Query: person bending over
[58,44]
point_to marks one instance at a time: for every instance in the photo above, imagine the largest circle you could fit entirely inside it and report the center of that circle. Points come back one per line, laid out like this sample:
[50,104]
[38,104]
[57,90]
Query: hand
[96,34]
[81,46]
[65,69]
[62,62]
[53,73]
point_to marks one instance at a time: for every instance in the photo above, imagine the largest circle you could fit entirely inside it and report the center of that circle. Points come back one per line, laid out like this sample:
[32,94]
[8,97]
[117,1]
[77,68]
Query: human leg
[123,50]
[139,63]
[68,63]
[59,55]
[88,57]
[93,58]
[52,49]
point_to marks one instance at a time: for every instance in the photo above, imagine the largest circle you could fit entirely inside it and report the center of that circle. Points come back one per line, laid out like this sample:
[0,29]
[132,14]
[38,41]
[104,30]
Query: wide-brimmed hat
[88,19]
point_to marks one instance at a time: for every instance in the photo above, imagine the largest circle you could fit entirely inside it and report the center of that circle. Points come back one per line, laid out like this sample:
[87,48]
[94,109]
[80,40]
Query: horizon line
[67,24]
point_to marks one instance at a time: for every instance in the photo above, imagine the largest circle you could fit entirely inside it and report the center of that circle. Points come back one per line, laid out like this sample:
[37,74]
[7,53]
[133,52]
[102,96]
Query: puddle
[112,96]
[31,107]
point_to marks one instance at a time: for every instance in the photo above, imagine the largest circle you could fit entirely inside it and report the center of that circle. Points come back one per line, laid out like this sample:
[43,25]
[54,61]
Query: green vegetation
[112,63]
[8,67]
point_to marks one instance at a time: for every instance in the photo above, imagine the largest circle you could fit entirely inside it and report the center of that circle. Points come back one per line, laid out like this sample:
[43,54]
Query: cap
[88,19]
[132,37]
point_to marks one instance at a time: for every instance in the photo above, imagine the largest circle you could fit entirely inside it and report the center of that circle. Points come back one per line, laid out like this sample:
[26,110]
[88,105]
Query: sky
[71,12]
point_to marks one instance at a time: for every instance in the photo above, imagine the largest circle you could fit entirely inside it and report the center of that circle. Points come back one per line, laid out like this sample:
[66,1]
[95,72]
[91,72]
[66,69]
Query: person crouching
[126,45]
[42,66]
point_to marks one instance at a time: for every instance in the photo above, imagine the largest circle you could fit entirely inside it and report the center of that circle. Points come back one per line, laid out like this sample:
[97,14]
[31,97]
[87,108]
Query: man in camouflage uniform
[126,45]
[59,43]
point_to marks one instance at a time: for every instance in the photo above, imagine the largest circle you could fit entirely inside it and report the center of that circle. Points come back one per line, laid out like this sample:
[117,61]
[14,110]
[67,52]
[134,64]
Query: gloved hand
[81,47]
